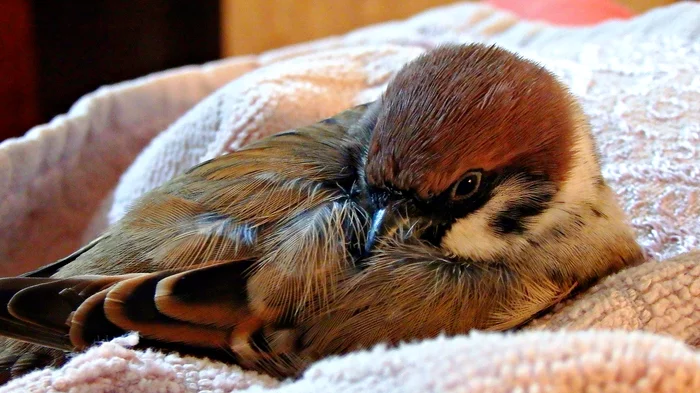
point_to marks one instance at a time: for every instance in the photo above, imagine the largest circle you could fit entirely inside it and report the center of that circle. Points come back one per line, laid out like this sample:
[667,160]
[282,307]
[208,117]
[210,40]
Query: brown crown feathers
[453,110]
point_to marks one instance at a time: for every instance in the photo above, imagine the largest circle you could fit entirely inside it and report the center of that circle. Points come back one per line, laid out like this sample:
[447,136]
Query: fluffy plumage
[469,196]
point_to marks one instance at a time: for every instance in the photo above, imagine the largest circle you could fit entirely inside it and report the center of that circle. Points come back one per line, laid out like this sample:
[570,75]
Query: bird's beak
[382,220]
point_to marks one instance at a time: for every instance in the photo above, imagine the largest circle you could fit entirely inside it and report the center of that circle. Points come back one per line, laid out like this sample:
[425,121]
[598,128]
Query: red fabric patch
[565,12]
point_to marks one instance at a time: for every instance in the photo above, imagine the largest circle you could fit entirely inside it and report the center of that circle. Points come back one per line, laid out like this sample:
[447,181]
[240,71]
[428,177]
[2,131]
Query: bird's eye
[467,186]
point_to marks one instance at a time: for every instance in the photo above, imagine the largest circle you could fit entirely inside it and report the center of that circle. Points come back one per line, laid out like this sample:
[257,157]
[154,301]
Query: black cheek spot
[329,121]
[512,219]
[505,224]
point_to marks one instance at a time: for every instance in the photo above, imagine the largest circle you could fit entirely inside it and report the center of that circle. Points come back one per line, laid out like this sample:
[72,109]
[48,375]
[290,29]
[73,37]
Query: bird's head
[473,147]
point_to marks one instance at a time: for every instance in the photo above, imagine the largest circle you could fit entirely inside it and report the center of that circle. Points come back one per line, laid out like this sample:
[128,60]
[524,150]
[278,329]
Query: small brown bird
[469,196]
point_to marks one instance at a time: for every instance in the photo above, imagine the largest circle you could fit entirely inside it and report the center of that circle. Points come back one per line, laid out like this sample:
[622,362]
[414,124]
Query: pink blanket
[639,82]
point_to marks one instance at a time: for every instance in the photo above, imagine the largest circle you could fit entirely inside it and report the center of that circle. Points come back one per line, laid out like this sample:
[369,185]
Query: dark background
[53,52]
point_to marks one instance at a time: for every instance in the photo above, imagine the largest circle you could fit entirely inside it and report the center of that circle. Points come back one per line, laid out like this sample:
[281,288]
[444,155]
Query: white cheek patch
[579,186]
[473,237]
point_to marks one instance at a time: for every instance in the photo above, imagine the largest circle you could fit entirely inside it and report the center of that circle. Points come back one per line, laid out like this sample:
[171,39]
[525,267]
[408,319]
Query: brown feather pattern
[255,257]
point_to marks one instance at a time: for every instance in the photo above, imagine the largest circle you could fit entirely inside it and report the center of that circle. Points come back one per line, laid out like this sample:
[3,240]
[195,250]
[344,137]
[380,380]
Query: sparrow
[468,196]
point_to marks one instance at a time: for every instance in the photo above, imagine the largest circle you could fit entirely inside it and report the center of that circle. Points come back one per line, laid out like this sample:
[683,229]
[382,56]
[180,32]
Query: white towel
[639,81]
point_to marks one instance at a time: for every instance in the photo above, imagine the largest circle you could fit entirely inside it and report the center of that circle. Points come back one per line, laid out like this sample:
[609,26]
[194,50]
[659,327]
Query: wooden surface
[253,26]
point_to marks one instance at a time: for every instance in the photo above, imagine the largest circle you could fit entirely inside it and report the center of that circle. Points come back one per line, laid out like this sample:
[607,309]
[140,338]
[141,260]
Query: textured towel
[639,82]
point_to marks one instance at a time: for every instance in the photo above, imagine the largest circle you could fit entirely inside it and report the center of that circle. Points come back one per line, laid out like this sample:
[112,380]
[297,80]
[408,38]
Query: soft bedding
[638,80]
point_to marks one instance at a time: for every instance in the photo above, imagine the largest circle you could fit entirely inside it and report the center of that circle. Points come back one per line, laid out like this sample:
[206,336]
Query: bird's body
[468,197]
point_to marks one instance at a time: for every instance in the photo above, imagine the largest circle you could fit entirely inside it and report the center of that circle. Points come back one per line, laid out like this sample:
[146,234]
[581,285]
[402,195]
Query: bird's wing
[200,308]
[226,208]
[176,267]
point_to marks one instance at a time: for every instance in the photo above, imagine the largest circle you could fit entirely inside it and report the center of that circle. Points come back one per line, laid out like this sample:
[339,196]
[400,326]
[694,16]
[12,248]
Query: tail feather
[197,308]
